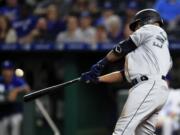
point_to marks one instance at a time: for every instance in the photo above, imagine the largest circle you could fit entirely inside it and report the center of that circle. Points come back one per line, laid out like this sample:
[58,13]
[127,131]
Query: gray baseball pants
[140,111]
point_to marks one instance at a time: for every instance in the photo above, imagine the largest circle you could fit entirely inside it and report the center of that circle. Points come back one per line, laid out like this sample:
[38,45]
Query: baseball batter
[147,62]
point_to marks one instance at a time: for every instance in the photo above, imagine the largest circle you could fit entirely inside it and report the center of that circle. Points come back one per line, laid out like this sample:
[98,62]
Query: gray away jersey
[152,56]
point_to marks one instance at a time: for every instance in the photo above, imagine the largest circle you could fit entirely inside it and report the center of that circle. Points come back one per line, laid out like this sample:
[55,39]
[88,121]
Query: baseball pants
[140,111]
[14,121]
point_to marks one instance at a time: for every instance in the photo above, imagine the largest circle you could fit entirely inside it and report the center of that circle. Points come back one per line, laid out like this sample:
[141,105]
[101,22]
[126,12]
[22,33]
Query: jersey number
[160,40]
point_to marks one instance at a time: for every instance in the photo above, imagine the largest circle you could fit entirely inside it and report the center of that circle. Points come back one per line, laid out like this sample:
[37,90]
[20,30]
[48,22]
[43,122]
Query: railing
[47,117]
[49,46]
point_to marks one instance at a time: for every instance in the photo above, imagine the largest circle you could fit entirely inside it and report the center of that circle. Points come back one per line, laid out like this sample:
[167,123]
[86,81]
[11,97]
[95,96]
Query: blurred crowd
[87,21]
[169,116]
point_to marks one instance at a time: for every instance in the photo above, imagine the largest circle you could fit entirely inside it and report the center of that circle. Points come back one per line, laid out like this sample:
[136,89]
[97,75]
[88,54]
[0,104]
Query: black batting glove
[95,72]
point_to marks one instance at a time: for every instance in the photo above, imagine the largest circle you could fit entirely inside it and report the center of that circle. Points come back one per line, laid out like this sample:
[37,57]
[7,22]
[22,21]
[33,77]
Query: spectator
[168,9]
[114,25]
[87,30]
[49,26]
[7,34]
[79,6]
[94,10]
[54,24]
[131,10]
[107,12]
[72,34]
[145,4]
[170,12]
[11,108]
[101,34]
[40,32]
[24,25]
[11,9]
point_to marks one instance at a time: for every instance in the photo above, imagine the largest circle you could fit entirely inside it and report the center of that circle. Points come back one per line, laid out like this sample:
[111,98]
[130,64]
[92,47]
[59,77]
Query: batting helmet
[146,16]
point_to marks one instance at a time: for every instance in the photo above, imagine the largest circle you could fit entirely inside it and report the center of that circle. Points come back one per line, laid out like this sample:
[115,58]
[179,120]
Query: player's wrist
[97,68]
[103,63]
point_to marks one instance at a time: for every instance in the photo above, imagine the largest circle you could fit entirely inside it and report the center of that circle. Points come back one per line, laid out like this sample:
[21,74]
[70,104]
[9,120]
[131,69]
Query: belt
[143,78]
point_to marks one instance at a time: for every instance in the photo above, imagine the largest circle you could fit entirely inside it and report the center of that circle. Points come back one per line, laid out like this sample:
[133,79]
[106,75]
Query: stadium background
[56,40]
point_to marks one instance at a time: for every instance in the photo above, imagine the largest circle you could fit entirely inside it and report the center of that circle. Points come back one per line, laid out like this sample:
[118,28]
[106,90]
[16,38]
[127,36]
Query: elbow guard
[124,47]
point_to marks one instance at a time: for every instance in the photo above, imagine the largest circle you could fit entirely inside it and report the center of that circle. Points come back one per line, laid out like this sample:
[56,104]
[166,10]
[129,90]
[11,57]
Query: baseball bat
[33,95]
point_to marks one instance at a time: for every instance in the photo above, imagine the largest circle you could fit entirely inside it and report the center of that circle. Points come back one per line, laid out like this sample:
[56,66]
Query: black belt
[143,78]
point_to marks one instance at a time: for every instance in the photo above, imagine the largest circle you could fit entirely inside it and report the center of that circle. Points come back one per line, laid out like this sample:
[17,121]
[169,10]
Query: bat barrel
[39,93]
[36,94]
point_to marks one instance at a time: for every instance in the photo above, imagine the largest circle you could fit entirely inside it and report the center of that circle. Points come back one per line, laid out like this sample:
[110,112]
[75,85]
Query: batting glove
[95,72]
[89,77]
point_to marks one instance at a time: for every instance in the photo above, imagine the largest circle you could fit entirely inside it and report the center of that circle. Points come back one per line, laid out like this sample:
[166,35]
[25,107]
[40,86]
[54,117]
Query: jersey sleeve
[20,82]
[140,36]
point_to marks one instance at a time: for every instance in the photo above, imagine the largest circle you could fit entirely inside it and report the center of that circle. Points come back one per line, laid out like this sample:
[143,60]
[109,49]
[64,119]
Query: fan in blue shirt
[11,9]
[169,9]
[25,23]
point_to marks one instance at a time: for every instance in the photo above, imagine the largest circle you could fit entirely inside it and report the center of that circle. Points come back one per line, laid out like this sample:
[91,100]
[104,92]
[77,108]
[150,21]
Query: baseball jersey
[152,56]
[8,108]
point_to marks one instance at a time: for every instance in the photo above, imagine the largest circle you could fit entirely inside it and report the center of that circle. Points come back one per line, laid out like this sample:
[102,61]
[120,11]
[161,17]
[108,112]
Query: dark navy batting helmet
[146,16]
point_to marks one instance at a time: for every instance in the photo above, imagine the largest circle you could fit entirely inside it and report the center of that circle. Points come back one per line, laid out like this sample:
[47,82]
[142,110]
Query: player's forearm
[24,88]
[112,77]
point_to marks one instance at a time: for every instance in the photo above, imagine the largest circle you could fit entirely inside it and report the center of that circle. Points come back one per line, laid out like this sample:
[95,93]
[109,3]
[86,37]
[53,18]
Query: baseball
[19,72]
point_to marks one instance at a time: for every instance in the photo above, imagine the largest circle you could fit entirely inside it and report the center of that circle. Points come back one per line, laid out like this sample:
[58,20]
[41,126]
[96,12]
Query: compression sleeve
[124,47]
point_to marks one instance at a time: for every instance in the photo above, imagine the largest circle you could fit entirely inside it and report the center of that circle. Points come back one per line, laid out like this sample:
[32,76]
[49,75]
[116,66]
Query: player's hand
[89,77]
[92,75]
[12,95]
[95,72]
